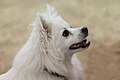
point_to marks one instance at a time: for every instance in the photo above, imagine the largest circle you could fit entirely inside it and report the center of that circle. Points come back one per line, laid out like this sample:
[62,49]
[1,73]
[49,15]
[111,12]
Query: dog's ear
[46,26]
[42,19]
[42,24]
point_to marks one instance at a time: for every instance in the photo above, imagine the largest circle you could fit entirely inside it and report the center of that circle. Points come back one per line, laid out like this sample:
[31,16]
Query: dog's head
[64,38]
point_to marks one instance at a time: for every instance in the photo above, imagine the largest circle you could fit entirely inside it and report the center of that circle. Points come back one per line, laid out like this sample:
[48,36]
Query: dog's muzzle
[82,44]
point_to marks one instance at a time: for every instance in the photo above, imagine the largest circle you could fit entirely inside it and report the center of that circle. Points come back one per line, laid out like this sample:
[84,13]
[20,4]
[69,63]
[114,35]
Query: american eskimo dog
[48,53]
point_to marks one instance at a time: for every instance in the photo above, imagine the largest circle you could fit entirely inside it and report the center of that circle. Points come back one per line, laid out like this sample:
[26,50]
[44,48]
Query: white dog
[48,53]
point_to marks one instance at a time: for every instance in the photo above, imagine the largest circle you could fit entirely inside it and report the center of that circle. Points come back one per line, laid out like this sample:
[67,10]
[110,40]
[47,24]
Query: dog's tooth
[78,45]
[74,45]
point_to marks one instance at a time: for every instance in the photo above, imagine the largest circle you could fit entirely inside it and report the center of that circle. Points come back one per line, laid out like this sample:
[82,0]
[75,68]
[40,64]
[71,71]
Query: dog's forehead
[58,21]
[60,26]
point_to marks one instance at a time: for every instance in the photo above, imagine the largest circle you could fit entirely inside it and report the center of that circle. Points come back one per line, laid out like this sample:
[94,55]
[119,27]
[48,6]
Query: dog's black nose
[84,30]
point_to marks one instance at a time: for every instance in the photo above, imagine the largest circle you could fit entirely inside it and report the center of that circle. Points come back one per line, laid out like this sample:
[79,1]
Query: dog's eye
[65,33]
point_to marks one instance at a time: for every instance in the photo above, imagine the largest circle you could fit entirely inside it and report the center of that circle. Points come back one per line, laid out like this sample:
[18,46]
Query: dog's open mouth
[82,44]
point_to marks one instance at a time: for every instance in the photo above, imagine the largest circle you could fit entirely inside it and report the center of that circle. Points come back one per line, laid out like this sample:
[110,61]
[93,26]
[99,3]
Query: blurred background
[102,17]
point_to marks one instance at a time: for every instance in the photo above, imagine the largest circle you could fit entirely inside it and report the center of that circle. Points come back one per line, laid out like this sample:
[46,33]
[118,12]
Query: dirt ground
[102,17]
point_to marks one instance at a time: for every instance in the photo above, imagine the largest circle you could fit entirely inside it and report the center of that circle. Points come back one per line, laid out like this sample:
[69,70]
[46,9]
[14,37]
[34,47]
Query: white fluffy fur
[42,50]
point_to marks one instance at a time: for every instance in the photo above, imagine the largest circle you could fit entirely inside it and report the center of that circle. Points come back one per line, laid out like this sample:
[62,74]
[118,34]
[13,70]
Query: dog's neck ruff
[55,74]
